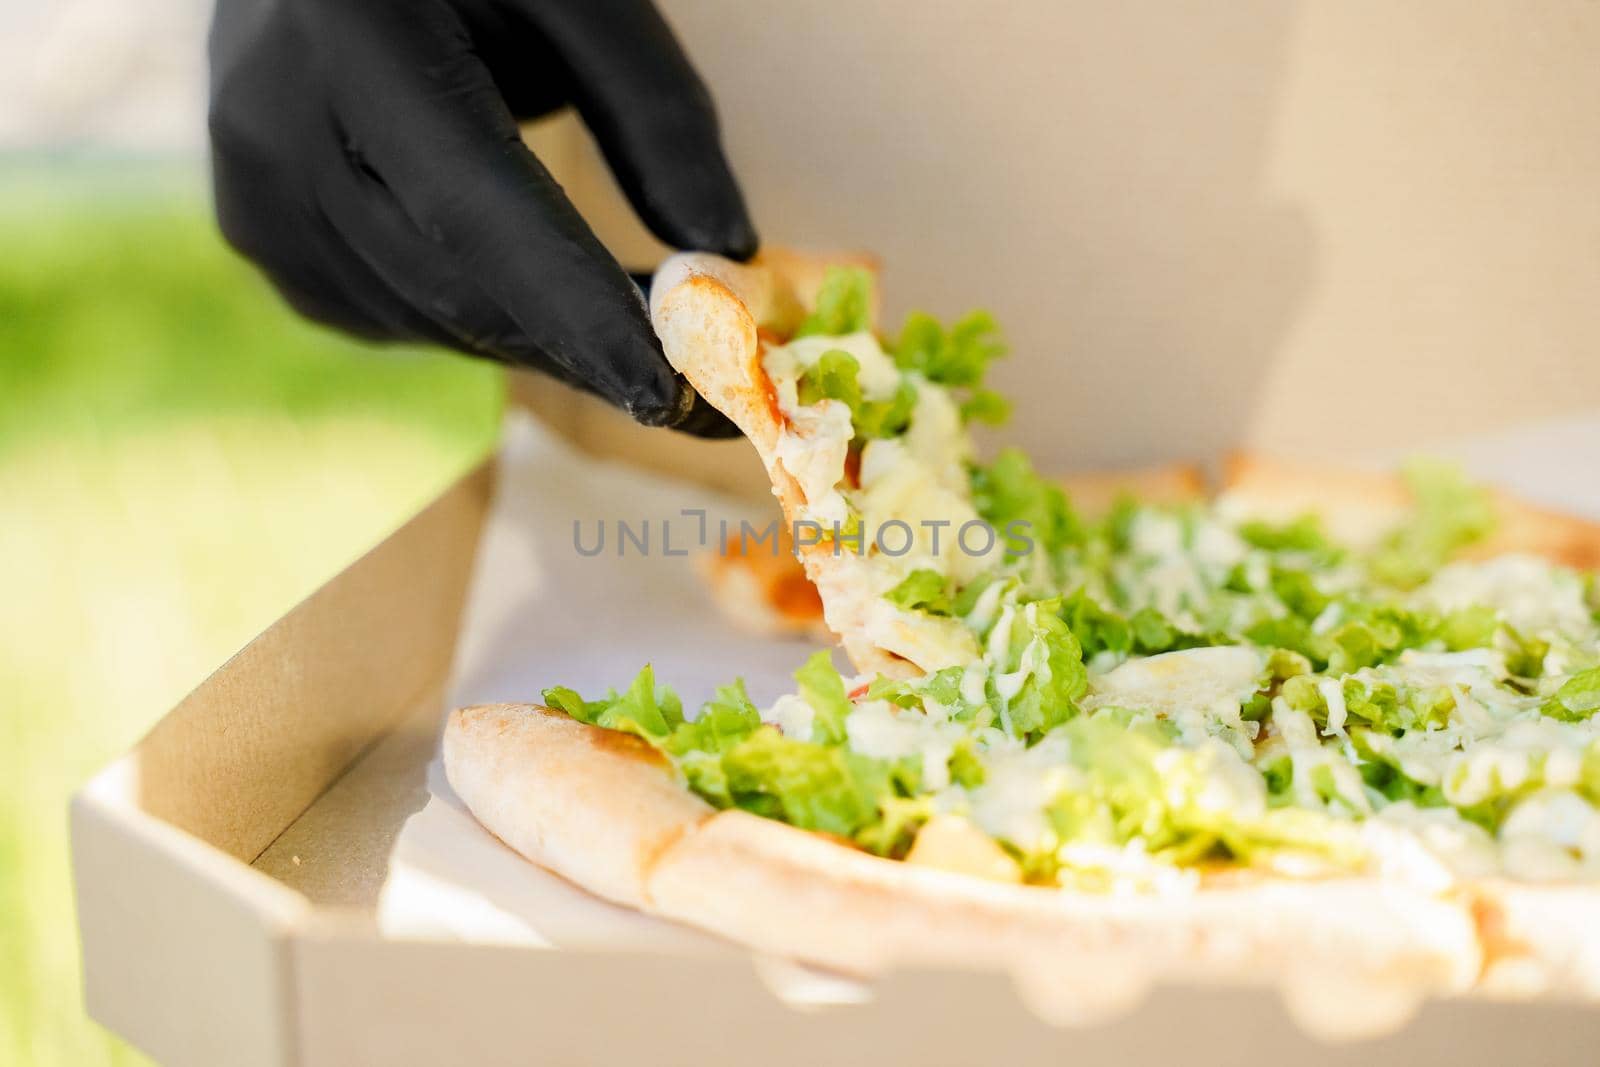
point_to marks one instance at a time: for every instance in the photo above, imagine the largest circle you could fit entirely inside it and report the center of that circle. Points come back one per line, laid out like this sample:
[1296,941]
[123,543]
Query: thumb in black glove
[366,156]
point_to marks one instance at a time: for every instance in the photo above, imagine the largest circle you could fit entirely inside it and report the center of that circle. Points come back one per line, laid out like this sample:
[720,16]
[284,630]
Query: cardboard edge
[437,1001]
[249,749]
[185,949]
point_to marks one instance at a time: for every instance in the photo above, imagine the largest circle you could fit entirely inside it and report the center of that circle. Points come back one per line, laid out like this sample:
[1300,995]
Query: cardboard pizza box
[1264,224]
[1311,198]
[228,871]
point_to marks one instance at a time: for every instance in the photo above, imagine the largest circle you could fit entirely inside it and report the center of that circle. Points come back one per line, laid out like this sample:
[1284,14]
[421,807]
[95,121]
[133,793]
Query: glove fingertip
[739,240]
[657,411]
[706,214]
[703,420]
[732,236]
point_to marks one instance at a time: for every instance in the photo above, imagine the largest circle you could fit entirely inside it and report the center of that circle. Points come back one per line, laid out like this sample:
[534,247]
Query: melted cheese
[1199,689]
[1464,848]
[813,449]
[878,376]
[897,487]
[1321,773]
[937,438]
[1534,596]
[918,480]
[1552,834]
[881,730]
[1332,692]
[1176,560]
[792,715]
[1530,751]
[1018,786]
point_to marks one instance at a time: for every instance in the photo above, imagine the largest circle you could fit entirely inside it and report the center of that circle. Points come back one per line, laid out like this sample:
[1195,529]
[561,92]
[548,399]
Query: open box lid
[186,947]
[206,941]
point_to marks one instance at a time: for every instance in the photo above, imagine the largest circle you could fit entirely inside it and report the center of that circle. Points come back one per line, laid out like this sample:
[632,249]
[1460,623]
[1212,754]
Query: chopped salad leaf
[1578,698]
[823,688]
[844,304]
[1010,496]
[957,357]
[1449,513]
[922,590]
[836,376]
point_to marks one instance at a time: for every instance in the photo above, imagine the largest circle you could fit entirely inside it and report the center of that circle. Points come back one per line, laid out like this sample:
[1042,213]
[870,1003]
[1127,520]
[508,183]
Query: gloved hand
[366,156]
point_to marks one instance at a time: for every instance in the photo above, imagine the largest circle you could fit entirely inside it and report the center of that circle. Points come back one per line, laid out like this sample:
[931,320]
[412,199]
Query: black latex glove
[366,156]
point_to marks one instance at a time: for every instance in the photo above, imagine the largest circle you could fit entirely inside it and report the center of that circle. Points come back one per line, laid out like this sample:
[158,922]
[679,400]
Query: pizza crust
[1094,492]
[1539,940]
[798,894]
[600,809]
[596,806]
[1359,507]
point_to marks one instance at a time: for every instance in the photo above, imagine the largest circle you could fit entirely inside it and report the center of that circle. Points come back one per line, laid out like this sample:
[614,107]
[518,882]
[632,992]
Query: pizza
[1330,731]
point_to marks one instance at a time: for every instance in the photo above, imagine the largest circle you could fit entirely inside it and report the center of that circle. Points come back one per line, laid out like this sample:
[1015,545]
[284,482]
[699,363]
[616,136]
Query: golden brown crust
[1524,527]
[1359,507]
[794,893]
[1539,940]
[601,809]
[1094,492]
[595,806]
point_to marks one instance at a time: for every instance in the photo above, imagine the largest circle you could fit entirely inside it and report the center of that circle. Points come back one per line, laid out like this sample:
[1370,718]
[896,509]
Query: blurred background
[1304,225]
[181,459]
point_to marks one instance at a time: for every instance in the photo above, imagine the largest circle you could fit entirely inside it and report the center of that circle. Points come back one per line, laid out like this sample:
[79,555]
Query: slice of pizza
[1327,732]
[853,447]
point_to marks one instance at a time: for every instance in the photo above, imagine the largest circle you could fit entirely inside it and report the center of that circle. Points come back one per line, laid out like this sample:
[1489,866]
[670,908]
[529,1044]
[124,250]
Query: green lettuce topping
[1449,513]
[813,786]
[732,760]
[923,590]
[823,688]
[1577,699]
[957,358]
[1031,512]
[1045,662]
[843,306]
[1305,534]
[1133,785]
[644,709]
[836,376]
[1373,703]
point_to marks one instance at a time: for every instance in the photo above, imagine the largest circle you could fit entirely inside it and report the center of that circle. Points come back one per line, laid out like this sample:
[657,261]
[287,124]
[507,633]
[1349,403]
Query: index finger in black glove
[650,114]
[366,156]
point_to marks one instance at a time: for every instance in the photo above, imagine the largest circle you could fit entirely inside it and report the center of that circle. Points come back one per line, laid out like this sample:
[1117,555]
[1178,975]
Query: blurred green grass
[181,460]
